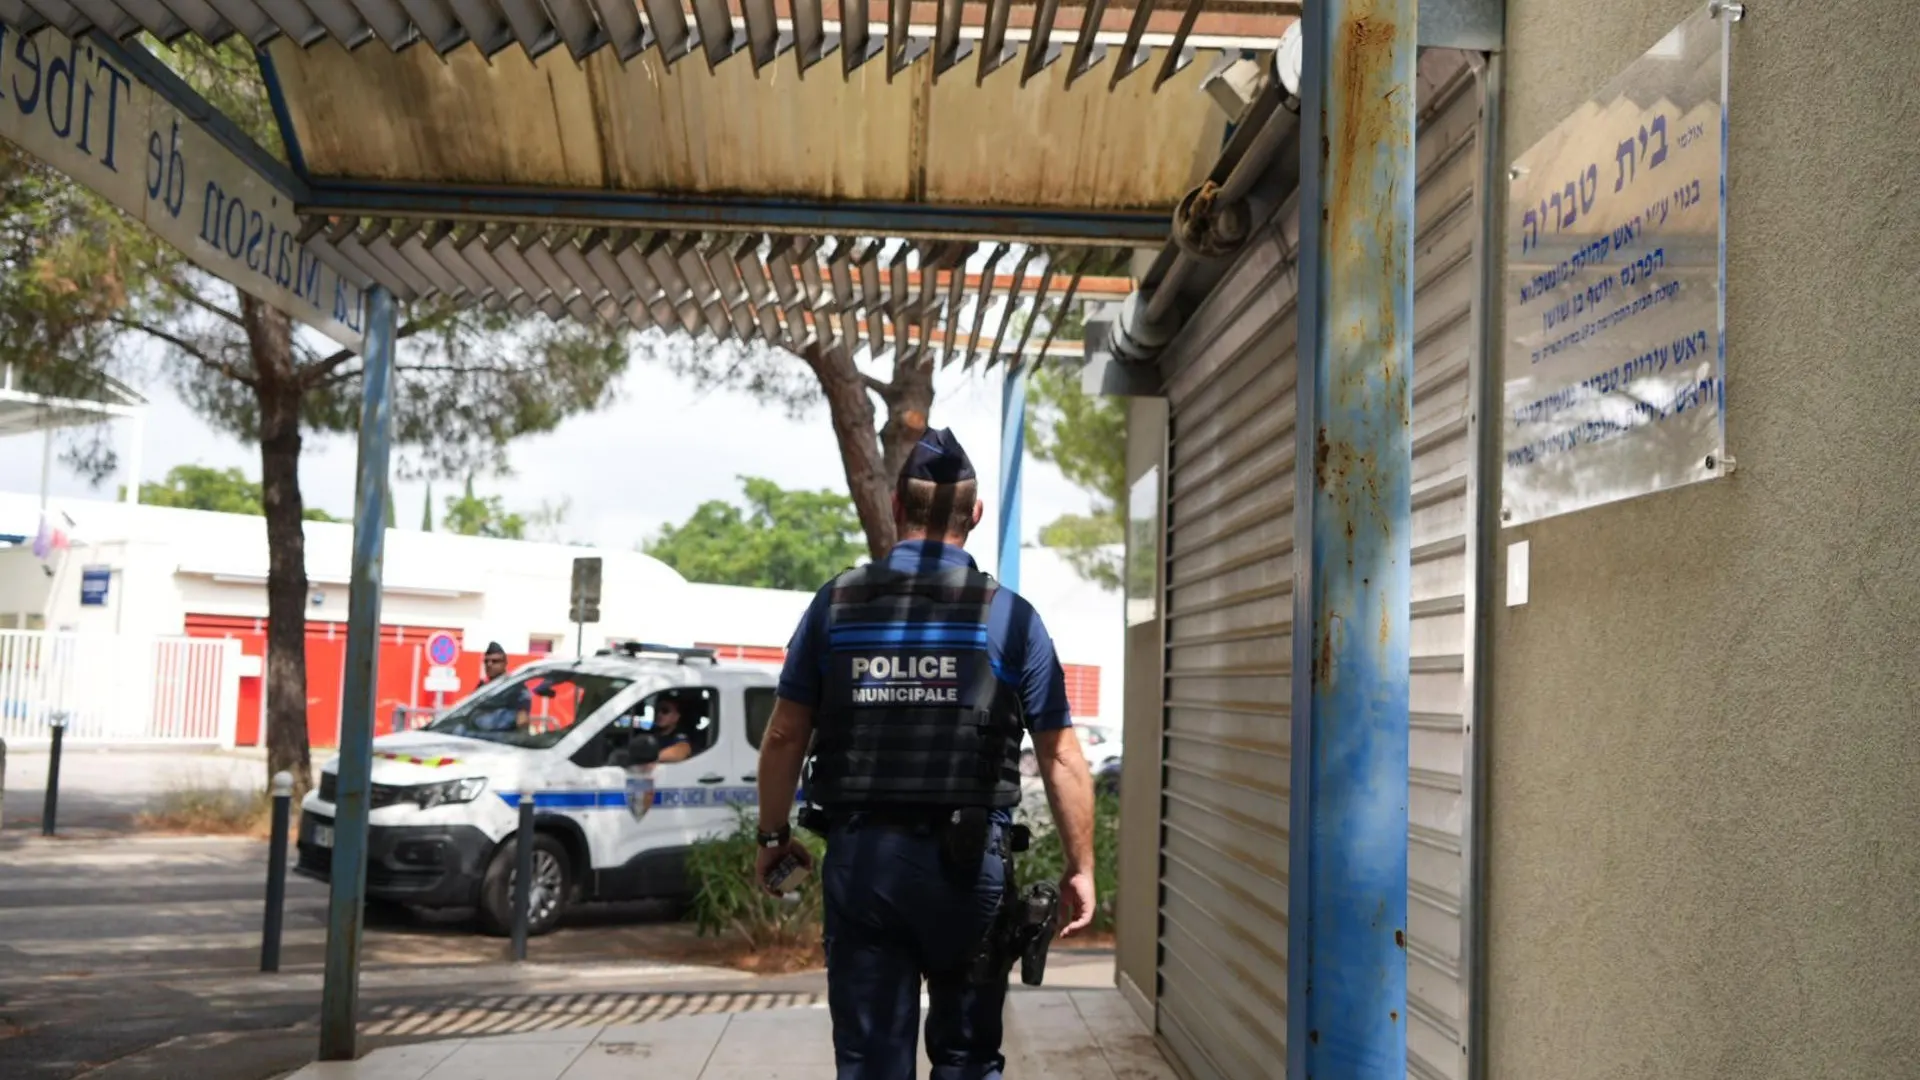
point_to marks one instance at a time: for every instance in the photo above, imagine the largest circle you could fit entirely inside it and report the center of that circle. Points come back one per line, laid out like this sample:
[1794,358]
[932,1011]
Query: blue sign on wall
[93,585]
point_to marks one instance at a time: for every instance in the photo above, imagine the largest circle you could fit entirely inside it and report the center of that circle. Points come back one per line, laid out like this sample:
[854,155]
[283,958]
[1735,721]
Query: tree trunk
[270,337]
[869,481]
[909,400]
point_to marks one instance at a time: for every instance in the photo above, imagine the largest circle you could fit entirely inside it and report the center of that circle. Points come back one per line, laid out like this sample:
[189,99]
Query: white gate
[119,689]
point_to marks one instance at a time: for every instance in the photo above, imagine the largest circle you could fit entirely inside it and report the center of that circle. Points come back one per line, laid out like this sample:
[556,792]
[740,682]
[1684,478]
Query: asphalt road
[108,945]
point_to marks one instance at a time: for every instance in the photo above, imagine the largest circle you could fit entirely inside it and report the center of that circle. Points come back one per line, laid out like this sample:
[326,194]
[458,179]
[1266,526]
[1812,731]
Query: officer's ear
[979,508]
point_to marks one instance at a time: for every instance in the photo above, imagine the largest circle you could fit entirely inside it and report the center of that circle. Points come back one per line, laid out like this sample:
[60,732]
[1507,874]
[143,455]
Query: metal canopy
[942,32]
[24,411]
[853,293]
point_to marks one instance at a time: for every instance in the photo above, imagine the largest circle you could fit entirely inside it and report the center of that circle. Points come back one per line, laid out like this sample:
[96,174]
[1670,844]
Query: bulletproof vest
[913,711]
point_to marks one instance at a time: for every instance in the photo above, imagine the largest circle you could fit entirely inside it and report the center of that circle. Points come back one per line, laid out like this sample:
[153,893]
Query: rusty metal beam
[1347,903]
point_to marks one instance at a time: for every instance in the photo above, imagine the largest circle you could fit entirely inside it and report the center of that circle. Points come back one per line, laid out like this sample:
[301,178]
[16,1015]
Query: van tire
[551,868]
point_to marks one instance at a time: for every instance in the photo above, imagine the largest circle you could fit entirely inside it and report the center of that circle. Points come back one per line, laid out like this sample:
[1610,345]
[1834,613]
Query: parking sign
[442,649]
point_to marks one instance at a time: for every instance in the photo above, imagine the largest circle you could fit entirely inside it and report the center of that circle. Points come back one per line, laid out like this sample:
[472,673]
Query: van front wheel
[552,886]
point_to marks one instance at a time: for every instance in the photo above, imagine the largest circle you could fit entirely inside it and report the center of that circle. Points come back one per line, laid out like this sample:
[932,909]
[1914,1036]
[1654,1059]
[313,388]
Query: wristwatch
[780,838]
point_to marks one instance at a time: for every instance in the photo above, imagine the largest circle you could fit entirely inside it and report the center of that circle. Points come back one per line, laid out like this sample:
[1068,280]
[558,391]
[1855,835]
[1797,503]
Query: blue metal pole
[339,998]
[1346,947]
[1013,451]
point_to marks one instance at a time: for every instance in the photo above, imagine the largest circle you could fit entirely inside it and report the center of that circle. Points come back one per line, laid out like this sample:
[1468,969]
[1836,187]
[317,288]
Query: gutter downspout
[1211,226]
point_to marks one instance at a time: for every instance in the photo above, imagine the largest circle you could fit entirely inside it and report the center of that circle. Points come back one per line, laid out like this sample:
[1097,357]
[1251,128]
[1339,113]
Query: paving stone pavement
[1059,1035]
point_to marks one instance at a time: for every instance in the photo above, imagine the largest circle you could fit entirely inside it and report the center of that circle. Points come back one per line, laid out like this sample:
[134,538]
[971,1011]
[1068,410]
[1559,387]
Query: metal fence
[113,688]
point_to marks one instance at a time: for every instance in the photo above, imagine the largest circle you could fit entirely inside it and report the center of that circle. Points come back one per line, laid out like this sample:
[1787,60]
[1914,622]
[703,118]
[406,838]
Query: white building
[147,576]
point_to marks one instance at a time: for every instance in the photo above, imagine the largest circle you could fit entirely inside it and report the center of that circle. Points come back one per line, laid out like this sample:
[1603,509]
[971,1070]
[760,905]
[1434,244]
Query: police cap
[938,457]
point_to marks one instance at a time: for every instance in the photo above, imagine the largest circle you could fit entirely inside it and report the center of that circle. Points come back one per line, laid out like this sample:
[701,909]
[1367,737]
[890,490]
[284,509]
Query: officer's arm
[783,752]
[1069,781]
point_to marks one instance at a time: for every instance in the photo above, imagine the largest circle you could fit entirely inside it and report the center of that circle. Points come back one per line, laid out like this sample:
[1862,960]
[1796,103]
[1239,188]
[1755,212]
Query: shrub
[726,899]
[210,811]
[1046,860]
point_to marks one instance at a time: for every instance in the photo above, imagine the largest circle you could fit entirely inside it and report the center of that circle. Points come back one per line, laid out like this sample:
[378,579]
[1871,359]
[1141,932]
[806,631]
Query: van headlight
[428,796]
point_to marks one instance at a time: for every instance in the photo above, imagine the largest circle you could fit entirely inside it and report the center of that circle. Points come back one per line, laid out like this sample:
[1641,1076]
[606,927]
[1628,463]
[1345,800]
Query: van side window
[759,713]
[685,721]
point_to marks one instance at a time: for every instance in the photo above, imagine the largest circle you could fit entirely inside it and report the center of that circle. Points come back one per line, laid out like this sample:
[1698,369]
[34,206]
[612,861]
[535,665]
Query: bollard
[523,879]
[276,871]
[52,804]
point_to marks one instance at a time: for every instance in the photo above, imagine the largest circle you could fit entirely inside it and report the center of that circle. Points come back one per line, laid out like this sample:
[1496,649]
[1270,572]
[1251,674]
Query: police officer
[493,665]
[913,678]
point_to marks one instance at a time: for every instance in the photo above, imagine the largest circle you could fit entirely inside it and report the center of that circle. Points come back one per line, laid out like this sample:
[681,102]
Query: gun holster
[1022,930]
[815,820]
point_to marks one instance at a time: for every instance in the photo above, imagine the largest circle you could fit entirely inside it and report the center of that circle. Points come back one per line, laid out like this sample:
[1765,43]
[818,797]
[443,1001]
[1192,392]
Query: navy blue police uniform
[923,674]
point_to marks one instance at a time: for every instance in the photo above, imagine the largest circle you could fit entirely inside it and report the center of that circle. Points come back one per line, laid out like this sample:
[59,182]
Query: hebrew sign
[1615,346]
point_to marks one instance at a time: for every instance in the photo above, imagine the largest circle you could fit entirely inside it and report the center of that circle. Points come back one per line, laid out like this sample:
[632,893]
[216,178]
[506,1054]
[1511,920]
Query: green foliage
[728,901]
[223,491]
[781,539]
[228,76]
[1085,437]
[1046,860]
[79,280]
[468,514]
[1086,541]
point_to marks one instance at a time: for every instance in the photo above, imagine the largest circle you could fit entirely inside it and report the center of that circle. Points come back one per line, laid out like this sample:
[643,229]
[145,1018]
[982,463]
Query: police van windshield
[534,709]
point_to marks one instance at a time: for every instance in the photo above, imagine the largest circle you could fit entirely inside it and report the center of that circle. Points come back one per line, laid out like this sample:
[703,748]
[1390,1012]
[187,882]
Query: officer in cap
[913,679]
[493,663]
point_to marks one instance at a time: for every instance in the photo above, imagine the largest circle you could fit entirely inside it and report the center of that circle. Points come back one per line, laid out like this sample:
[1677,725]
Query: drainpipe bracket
[1207,228]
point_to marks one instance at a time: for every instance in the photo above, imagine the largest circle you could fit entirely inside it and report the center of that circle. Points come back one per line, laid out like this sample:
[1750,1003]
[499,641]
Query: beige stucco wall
[1705,731]
[1138,911]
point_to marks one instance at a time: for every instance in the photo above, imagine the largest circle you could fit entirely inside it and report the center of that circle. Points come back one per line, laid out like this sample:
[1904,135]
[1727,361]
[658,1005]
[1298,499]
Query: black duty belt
[927,820]
[894,817]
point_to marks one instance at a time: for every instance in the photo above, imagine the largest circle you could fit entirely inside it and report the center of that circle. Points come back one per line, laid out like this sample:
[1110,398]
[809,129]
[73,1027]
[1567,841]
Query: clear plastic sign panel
[1615,360]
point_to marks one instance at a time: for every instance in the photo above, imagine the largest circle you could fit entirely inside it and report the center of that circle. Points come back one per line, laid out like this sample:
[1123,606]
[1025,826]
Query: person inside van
[671,728]
[493,665]
[508,709]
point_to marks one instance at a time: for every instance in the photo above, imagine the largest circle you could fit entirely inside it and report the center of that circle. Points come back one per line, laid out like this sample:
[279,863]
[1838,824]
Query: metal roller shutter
[1229,603]
[1446,223]
[1229,610]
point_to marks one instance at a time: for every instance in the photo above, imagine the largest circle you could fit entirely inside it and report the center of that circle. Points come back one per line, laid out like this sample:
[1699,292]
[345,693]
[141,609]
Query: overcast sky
[649,459]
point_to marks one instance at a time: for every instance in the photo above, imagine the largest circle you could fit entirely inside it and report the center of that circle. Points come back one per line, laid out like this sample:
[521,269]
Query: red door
[402,673]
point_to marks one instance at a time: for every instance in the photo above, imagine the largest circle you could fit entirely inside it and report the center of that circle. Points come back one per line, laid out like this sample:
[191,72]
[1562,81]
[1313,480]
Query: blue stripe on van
[616,798]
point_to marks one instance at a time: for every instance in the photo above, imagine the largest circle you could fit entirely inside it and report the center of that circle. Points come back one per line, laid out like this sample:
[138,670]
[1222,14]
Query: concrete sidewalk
[1060,1035]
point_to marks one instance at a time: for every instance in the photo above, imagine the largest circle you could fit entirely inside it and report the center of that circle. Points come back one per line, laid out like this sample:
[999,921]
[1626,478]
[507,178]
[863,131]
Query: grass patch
[208,811]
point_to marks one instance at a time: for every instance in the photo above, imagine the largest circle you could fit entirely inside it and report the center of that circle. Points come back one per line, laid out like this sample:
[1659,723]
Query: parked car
[611,822]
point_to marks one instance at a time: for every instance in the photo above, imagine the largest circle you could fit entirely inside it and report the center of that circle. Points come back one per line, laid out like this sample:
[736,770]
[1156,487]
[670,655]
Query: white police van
[611,821]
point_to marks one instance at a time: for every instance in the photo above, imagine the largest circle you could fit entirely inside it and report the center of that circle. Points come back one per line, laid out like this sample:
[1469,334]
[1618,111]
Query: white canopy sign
[76,108]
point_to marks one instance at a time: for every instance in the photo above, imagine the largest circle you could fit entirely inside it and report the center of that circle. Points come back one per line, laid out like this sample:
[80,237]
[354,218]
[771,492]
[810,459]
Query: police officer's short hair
[938,508]
[937,489]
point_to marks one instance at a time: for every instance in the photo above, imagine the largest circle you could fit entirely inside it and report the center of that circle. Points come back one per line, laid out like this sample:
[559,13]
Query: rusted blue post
[340,996]
[1346,948]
